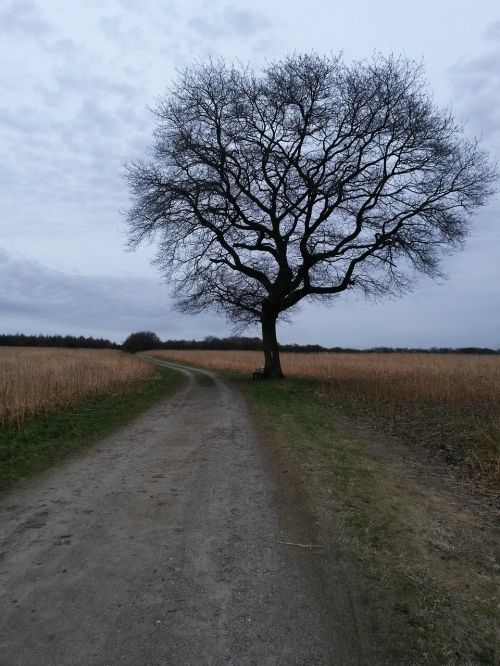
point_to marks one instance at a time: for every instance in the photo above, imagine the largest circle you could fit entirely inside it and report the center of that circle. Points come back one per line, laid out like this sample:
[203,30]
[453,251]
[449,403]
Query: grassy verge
[465,435]
[423,550]
[47,438]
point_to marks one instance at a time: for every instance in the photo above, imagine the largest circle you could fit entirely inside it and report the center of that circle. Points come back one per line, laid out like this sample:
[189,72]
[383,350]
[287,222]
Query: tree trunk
[272,368]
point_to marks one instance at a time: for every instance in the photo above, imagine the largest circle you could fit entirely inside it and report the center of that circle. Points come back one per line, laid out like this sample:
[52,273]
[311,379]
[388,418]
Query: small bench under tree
[258,373]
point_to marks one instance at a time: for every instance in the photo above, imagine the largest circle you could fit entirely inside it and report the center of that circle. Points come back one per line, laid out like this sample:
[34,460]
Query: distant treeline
[72,341]
[236,343]
[231,343]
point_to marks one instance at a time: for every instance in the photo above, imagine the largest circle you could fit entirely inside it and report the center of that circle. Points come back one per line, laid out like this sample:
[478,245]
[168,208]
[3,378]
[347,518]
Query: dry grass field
[34,380]
[450,402]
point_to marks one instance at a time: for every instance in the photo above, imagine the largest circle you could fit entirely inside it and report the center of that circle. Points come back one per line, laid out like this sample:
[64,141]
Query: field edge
[48,438]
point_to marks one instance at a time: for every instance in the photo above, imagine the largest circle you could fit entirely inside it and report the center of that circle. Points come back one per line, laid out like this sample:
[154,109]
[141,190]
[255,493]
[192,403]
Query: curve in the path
[160,546]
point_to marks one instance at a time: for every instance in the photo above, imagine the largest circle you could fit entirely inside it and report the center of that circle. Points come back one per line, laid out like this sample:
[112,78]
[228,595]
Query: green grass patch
[45,439]
[420,552]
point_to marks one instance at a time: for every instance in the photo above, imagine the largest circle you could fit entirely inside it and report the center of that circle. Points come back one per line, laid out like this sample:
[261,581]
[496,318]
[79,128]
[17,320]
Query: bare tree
[308,180]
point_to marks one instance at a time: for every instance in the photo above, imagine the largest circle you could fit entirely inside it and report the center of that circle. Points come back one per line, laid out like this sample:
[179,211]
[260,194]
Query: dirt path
[160,546]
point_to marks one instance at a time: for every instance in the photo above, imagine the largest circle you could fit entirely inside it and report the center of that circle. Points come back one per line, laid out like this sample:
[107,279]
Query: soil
[178,540]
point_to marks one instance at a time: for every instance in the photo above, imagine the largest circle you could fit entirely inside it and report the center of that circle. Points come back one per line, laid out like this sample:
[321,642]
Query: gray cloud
[493,32]
[134,7]
[76,80]
[40,299]
[59,301]
[148,24]
[25,18]
[61,48]
[229,21]
[115,28]
[476,87]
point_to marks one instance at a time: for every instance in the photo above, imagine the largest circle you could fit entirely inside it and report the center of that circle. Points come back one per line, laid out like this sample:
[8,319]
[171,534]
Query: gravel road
[160,545]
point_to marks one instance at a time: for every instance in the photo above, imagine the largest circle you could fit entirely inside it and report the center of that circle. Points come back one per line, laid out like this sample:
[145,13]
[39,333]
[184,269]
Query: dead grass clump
[34,380]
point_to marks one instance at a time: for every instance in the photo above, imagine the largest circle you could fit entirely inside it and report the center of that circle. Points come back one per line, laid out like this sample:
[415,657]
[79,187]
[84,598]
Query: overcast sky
[77,78]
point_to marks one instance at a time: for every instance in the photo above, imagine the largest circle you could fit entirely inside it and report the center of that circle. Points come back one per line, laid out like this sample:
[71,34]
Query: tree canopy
[141,341]
[309,179]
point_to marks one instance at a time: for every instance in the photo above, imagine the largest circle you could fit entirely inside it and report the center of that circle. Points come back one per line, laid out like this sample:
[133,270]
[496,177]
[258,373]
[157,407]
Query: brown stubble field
[446,402]
[37,380]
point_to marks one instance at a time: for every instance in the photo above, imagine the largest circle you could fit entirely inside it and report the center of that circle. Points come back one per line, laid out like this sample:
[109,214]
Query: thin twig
[291,543]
